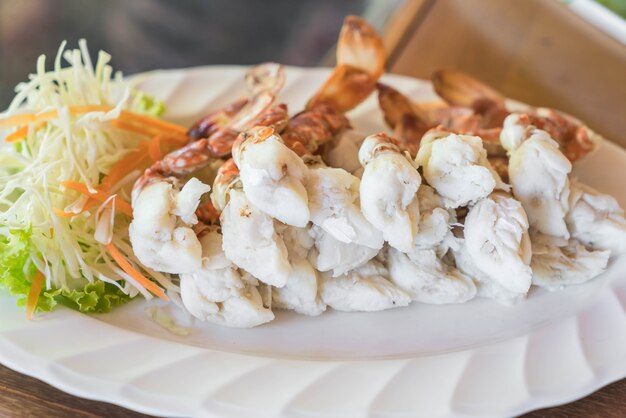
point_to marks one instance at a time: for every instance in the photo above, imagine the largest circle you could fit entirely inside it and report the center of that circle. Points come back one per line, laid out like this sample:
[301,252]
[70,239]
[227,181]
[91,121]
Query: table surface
[528,52]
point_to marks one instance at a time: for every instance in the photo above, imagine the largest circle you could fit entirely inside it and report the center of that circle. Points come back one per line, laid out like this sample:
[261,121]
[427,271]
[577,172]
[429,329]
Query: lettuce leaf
[95,297]
[17,272]
[147,105]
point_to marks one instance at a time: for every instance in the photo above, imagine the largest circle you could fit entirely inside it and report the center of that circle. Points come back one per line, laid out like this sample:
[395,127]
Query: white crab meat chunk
[434,223]
[334,207]
[389,193]
[497,243]
[251,242]
[366,288]
[457,167]
[300,293]
[272,176]
[538,173]
[596,219]
[218,292]
[426,278]
[556,264]
[486,286]
[345,153]
[161,233]
[332,255]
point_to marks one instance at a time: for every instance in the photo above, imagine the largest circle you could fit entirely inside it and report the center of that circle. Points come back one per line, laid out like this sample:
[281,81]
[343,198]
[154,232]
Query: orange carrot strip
[33,294]
[21,133]
[17,135]
[130,162]
[99,195]
[154,149]
[26,118]
[147,130]
[141,130]
[149,120]
[132,272]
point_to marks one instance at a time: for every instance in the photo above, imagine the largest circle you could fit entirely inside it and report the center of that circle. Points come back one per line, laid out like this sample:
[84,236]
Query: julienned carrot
[132,272]
[147,130]
[132,161]
[17,135]
[21,133]
[160,125]
[99,195]
[149,120]
[33,294]
[154,148]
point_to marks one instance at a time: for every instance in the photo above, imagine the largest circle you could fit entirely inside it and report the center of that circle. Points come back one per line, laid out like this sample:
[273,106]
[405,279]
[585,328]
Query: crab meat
[161,233]
[300,293]
[538,172]
[497,244]
[389,191]
[556,265]
[366,288]
[427,279]
[252,242]
[434,223]
[218,292]
[457,167]
[272,176]
[330,254]
[334,207]
[596,219]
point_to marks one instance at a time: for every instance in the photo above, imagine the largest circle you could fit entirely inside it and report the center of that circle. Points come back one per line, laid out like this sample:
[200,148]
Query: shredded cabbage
[79,272]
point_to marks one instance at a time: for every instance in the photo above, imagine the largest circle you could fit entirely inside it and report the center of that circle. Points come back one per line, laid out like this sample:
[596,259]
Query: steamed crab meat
[338,257]
[366,288]
[497,245]
[300,292]
[334,207]
[218,292]
[596,219]
[161,232]
[252,242]
[389,191]
[272,176]
[427,279]
[538,172]
[457,167]
[434,230]
[556,264]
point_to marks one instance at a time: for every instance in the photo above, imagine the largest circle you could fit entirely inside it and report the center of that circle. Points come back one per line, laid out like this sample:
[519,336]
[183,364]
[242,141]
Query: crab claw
[459,89]
[360,63]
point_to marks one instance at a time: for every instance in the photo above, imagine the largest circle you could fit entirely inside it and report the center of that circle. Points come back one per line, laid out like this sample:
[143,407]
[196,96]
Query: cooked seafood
[388,191]
[490,108]
[286,230]
[457,167]
[596,219]
[219,292]
[538,172]
[497,242]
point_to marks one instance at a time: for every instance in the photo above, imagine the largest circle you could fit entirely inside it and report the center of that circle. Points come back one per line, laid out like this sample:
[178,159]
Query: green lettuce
[17,272]
[147,105]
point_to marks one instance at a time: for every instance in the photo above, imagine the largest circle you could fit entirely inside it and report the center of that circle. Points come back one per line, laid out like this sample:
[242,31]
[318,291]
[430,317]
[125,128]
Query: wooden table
[535,51]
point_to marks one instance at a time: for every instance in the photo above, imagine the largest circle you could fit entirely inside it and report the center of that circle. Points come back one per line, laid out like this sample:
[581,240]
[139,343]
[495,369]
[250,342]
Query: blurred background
[567,54]
[148,34]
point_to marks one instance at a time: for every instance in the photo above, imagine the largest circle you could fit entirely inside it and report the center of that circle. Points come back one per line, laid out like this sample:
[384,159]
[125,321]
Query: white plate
[476,359]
